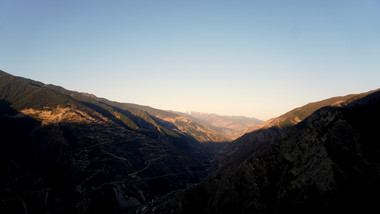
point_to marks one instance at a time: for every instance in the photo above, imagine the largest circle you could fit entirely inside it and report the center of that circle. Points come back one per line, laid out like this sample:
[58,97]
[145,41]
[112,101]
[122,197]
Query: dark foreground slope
[67,152]
[328,163]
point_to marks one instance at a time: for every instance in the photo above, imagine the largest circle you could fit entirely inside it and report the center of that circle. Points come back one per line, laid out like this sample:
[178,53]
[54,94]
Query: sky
[254,58]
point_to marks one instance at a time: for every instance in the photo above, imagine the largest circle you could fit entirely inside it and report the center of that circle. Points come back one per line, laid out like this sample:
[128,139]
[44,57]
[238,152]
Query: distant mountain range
[230,126]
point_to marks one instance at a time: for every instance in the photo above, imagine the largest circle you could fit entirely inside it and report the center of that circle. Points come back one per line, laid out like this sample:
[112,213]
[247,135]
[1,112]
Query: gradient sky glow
[255,58]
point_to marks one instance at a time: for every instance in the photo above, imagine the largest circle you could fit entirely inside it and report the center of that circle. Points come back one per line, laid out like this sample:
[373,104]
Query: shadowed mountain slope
[69,152]
[269,129]
[328,163]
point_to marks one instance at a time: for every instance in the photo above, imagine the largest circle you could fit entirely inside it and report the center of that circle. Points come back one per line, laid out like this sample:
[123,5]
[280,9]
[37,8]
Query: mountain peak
[185,111]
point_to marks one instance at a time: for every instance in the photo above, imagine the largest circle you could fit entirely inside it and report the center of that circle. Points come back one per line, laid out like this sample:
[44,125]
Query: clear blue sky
[255,58]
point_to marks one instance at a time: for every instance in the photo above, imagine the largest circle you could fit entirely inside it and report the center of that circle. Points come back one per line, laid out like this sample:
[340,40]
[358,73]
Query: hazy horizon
[251,58]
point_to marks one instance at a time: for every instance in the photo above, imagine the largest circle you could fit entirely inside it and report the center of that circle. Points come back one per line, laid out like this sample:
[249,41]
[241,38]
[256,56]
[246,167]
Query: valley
[189,107]
[63,151]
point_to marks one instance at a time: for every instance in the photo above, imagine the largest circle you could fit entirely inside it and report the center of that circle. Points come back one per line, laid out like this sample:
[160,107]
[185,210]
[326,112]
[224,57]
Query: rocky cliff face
[328,163]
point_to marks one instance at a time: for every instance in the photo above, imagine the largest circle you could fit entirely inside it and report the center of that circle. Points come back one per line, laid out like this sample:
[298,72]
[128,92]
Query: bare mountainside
[271,128]
[298,114]
[67,152]
[327,163]
[231,127]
